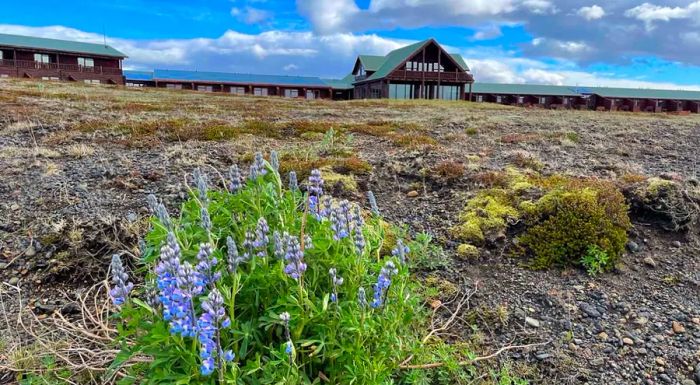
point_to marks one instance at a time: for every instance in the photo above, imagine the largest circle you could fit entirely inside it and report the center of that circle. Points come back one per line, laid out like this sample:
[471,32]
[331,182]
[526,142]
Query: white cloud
[250,15]
[650,13]
[594,12]
[290,67]
[540,7]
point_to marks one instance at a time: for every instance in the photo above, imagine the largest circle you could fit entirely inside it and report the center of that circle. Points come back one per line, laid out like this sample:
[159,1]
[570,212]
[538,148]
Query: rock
[665,378]
[603,336]
[412,194]
[660,361]
[589,310]
[3,265]
[649,261]
[696,321]
[532,322]
[542,356]
[30,251]
[633,247]
[676,244]
[627,341]
[678,327]
[641,321]
[13,281]
[688,382]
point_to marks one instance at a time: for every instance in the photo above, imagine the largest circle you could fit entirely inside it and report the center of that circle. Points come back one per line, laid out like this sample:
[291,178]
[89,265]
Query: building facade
[52,59]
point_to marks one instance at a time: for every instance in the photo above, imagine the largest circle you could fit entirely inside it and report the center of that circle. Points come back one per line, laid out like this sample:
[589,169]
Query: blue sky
[632,43]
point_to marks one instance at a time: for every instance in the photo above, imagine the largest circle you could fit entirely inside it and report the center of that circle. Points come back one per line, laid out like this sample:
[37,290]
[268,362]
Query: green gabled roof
[341,84]
[523,89]
[371,62]
[460,60]
[395,57]
[639,93]
[58,45]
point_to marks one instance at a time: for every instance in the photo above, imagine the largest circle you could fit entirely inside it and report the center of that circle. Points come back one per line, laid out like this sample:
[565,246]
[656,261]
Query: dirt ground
[77,162]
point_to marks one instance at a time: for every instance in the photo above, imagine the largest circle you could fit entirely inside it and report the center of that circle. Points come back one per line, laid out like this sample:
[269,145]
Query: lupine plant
[258,284]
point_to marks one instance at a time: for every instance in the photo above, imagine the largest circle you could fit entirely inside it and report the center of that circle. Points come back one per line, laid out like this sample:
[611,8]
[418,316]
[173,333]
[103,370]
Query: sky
[625,43]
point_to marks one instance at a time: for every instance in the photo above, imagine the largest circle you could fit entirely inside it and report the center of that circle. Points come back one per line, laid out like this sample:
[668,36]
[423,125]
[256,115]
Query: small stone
[660,361]
[649,261]
[30,251]
[678,327]
[696,321]
[412,194]
[14,207]
[688,382]
[589,310]
[13,281]
[627,341]
[603,336]
[641,321]
[532,322]
[633,247]
[665,378]
[676,244]
[3,265]
[542,356]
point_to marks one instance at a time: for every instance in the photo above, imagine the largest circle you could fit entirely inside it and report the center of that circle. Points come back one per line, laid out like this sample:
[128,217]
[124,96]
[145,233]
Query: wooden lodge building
[424,70]
[51,59]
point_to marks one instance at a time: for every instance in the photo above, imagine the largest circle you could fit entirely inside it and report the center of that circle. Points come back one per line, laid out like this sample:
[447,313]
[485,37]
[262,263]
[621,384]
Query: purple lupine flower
[274,160]
[279,242]
[400,251]
[373,203]
[188,287]
[259,164]
[209,326]
[383,284]
[248,245]
[293,183]
[336,281]
[205,218]
[152,202]
[339,221]
[308,243]
[236,183]
[358,224]
[200,181]
[163,217]
[289,346]
[233,259]
[315,192]
[295,257]
[206,265]
[362,297]
[166,277]
[253,174]
[326,208]
[120,281]
[261,238]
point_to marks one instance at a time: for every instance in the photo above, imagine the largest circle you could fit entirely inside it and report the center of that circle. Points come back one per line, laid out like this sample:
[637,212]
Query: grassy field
[77,162]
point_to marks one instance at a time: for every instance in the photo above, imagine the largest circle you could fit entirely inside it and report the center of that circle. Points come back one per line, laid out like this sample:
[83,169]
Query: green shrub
[570,219]
[595,260]
[278,323]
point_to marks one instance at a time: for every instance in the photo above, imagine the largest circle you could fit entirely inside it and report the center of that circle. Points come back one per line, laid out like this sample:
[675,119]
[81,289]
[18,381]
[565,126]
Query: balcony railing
[28,64]
[432,76]
[360,78]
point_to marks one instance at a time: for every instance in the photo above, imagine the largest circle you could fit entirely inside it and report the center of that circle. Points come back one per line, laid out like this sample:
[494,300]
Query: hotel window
[259,91]
[310,94]
[238,90]
[291,93]
[499,99]
[543,100]
[1,55]
[86,62]
[521,99]
[205,88]
[480,98]
[173,86]
[41,58]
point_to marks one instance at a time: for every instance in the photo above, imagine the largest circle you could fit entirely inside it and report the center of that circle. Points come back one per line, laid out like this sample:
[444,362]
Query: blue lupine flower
[400,251]
[383,284]
[358,224]
[326,208]
[152,202]
[261,238]
[248,245]
[200,181]
[162,214]
[295,257]
[274,160]
[308,243]
[120,280]
[209,325]
[259,164]
[206,265]
[289,346]
[279,242]
[229,356]
[236,178]
[254,174]
[293,183]
[166,279]
[362,297]
[373,203]
[206,220]
[336,281]
[339,221]
[233,259]
[315,192]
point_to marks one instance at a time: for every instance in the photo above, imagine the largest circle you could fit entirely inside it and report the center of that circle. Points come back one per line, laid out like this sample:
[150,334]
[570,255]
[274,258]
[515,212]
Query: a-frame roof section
[372,62]
[398,56]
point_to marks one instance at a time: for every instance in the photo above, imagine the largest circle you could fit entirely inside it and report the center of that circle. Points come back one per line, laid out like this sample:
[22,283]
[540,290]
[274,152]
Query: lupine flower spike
[205,218]
[236,179]
[362,297]
[336,281]
[400,251]
[206,266]
[293,183]
[373,203]
[274,160]
[120,280]
[289,345]
[383,284]
[209,325]
[358,224]
[233,259]
[201,181]
[315,192]
[261,238]
[295,267]
[260,164]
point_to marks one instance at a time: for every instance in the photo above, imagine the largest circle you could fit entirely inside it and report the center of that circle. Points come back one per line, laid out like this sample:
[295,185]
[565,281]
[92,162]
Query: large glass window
[260,91]
[238,90]
[291,93]
[86,62]
[205,88]
[41,58]
[1,55]
[173,86]
[449,92]
[401,91]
